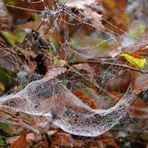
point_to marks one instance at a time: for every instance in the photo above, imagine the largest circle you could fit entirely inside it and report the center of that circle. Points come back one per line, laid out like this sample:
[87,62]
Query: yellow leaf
[137,61]
[2,87]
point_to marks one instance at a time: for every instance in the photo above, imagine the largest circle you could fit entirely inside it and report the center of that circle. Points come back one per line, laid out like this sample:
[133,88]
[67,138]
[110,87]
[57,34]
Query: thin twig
[109,63]
[22,8]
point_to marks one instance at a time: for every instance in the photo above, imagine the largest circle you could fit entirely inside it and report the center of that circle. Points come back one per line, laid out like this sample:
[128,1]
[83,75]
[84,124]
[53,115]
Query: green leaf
[74,44]
[136,61]
[6,77]
[4,126]
[10,38]
[1,141]
[72,58]
[102,45]
[14,39]
[137,32]
[20,36]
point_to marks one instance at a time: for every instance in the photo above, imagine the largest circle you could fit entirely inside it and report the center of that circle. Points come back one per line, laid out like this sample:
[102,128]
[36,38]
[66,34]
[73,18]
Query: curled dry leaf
[54,73]
[89,14]
[79,4]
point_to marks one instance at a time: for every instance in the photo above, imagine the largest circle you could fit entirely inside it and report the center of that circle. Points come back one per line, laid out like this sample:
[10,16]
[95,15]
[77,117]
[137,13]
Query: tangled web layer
[49,98]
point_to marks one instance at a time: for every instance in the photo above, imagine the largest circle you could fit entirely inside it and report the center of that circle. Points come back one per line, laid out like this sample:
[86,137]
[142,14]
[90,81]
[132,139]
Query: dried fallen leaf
[21,142]
[66,140]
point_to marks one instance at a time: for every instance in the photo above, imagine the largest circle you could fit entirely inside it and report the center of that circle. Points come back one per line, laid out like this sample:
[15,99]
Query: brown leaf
[110,142]
[121,83]
[66,140]
[83,96]
[115,14]
[21,142]
[114,4]
[19,13]
[107,139]
[30,25]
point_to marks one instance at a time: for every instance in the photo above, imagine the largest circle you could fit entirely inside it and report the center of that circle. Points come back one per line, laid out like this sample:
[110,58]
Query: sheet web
[50,98]
[54,101]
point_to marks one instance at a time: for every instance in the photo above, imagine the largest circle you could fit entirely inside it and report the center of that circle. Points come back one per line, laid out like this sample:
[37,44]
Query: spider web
[50,98]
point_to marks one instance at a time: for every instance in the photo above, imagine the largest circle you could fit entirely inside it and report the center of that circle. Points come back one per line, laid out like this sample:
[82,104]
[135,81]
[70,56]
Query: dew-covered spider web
[51,99]
[55,100]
